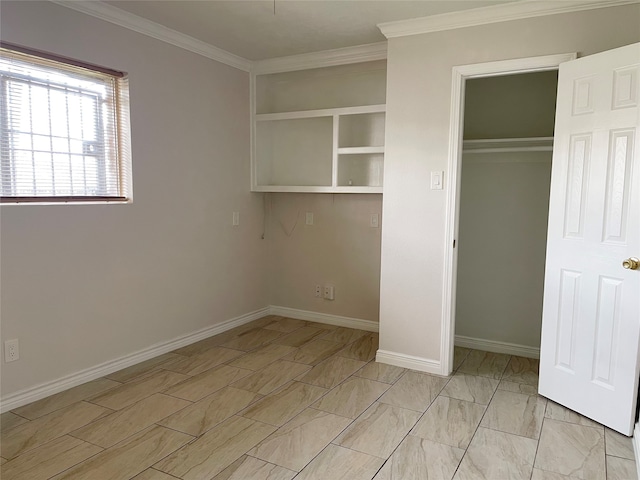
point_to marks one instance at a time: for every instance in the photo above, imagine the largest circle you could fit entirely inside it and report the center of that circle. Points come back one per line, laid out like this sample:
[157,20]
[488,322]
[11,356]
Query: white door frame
[459,76]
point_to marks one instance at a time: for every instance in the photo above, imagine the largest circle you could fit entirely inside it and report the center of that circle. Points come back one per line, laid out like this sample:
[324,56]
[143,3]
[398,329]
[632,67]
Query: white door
[589,355]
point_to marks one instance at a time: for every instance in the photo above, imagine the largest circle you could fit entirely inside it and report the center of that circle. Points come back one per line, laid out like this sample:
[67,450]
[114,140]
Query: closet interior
[504,206]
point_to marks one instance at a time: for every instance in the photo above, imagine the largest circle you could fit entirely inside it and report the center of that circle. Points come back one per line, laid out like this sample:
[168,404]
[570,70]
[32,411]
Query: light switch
[309,218]
[437,180]
[236,219]
[374,221]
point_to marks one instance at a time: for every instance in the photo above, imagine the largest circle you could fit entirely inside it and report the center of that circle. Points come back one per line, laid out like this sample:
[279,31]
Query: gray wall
[82,285]
[419,69]
[504,205]
[341,249]
[510,106]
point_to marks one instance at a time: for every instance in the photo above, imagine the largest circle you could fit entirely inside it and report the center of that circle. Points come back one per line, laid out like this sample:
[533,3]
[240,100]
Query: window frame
[118,154]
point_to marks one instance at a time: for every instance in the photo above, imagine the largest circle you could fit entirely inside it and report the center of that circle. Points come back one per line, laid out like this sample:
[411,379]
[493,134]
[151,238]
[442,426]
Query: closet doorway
[461,75]
[504,187]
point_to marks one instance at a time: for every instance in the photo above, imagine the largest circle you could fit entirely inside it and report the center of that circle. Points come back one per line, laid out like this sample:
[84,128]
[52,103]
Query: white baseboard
[636,445]
[26,396]
[329,319]
[497,347]
[409,361]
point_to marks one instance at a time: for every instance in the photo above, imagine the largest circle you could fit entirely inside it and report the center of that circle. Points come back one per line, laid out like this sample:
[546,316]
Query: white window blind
[64,131]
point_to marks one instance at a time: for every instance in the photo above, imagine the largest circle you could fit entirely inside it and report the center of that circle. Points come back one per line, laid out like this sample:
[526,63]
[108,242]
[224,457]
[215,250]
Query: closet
[504,204]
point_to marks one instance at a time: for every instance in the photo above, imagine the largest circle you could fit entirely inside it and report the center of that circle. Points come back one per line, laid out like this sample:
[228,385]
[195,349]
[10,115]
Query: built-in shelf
[322,150]
[325,112]
[359,150]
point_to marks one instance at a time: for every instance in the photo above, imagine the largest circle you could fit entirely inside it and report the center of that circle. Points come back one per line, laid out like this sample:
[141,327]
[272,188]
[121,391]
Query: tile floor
[281,398]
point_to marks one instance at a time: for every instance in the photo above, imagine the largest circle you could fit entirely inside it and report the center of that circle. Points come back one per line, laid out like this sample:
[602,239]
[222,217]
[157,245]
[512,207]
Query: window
[64,130]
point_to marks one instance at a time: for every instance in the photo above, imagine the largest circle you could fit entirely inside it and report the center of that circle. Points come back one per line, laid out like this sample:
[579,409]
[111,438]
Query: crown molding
[497,13]
[325,58]
[141,25]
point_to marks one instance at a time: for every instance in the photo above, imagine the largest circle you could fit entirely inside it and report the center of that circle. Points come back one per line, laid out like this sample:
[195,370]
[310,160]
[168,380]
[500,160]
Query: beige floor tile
[285,324]
[252,339]
[284,404]
[344,335]
[210,411]
[471,388]
[214,451]
[415,391]
[420,459]
[129,458]
[515,413]
[517,387]
[450,421]
[522,370]
[332,372]
[380,372]
[153,474]
[321,326]
[201,362]
[299,337]
[459,356]
[571,449]
[544,475]
[264,321]
[485,364]
[207,382]
[249,468]
[66,398]
[215,341]
[49,460]
[263,356]
[272,377]
[496,455]
[130,393]
[313,352]
[618,445]
[297,442]
[379,430]
[363,349]
[338,463]
[120,425]
[37,432]
[135,371]
[352,397]
[556,411]
[621,469]
[9,420]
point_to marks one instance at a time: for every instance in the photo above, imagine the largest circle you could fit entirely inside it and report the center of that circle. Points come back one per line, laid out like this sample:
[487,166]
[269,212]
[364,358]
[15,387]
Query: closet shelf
[495,145]
[359,150]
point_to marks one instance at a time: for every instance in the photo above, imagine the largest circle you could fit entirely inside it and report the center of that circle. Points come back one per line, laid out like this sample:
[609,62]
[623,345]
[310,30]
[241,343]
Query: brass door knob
[631,263]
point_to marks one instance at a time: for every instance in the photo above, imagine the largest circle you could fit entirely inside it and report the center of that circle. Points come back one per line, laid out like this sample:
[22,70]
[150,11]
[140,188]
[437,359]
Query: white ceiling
[250,29]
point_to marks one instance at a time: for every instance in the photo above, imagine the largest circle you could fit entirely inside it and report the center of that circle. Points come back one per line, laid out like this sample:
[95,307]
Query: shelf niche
[295,152]
[320,130]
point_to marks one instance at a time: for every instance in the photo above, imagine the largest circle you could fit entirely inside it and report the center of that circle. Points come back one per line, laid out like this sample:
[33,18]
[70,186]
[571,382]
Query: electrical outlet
[11,350]
[329,292]
[236,219]
[318,291]
[374,221]
[309,218]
